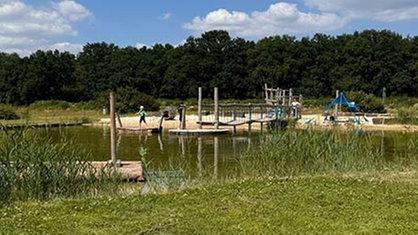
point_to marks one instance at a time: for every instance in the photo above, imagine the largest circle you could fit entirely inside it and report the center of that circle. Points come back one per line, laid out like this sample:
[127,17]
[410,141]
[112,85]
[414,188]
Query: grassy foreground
[323,204]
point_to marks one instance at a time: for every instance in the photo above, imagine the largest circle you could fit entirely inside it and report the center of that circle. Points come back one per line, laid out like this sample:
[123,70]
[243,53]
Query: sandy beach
[316,123]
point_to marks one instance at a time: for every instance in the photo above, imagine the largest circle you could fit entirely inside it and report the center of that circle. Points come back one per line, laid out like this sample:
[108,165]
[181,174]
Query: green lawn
[322,204]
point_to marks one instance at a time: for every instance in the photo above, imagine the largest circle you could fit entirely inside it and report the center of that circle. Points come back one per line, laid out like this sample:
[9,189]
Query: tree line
[315,66]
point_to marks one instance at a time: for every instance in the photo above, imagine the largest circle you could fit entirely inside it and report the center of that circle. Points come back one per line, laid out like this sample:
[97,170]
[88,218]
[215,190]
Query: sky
[68,25]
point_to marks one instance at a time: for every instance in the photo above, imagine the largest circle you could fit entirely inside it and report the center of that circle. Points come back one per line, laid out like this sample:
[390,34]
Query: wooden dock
[139,130]
[129,170]
[198,131]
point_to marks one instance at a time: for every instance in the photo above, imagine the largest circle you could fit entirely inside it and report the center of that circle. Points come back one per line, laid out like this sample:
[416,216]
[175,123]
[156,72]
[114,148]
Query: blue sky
[29,25]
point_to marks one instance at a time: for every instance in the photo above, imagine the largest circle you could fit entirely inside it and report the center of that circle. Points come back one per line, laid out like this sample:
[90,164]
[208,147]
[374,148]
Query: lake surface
[197,155]
[206,155]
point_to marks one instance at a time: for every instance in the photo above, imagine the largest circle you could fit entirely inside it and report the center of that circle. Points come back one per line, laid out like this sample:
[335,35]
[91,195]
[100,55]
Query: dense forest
[364,61]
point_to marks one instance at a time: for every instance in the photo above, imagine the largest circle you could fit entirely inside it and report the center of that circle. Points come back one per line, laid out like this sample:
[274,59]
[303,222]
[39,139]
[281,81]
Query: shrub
[89,105]
[368,103]
[50,104]
[407,116]
[7,113]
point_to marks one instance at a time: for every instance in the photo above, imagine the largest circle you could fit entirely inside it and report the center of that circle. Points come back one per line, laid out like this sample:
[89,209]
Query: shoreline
[191,123]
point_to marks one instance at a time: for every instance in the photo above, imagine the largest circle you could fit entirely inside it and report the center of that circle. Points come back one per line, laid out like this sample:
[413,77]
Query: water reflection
[195,155]
[198,156]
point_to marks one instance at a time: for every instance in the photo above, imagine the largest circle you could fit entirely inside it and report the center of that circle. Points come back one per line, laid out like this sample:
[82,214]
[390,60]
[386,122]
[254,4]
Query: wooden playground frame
[280,104]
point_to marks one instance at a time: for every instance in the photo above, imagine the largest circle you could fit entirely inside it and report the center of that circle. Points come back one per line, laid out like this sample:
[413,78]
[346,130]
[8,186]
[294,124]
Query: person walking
[142,114]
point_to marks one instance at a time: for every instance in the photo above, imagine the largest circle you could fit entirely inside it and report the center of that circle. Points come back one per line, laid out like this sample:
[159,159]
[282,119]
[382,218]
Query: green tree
[11,76]
[47,73]
[93,71]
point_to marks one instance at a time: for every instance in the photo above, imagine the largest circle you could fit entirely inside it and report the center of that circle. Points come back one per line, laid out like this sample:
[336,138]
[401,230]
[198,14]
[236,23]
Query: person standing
[142,114]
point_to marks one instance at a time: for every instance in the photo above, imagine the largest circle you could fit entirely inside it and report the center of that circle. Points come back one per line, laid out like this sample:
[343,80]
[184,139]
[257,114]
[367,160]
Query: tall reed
[33,167]
[295,152]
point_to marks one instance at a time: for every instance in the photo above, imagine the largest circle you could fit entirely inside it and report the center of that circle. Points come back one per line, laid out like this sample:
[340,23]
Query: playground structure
[357,117]
[280,104]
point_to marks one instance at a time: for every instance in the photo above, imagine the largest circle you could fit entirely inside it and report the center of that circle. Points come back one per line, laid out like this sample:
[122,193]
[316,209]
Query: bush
[407,116]
[50,104]
[89,105]
[401,102]
[7,113]
[368,103]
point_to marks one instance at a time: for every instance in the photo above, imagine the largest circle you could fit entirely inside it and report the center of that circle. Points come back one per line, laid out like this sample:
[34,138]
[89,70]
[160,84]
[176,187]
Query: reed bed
[309,152]
[32,167]
[292,153]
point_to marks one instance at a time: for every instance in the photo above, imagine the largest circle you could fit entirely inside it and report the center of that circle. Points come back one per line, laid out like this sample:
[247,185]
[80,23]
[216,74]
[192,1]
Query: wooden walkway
[129,170]
[238,122]
[198,131]
[139,130]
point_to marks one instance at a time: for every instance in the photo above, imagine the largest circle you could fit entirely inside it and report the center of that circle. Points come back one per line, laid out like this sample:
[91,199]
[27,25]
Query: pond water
[197,154]
[205,155]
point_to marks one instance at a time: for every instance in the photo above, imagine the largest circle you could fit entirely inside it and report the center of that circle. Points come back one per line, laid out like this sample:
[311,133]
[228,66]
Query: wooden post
[277,95]
[261,117]
[234,118]
[383,95]
[199,107]
[290,96]
[216,101]
[266,93]
[183,118]
[249,117]
[199,154]
[336,106]
[112,129]
[283,96]
[182,146]
[300,106]
[215,157]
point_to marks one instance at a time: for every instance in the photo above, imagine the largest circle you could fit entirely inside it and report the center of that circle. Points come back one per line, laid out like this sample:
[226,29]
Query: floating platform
[198,131]
[129,170]
[140,130]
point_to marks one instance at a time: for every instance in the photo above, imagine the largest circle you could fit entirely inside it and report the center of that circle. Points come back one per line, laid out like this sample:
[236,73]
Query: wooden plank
[140,130]
[129,170]
[198,131]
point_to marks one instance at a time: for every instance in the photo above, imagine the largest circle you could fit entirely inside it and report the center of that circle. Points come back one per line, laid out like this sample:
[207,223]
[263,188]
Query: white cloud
[381,10]
[279,18]
[141,45]
[66,46]
[165,16]
[287,18]
[72,10]
[25,28]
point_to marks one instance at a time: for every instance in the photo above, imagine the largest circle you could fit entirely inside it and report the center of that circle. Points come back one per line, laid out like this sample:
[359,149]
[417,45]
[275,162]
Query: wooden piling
[113,156]
[215,157]
[266,92]
[249,116]
[199,107]
[183,118]
[216,102]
